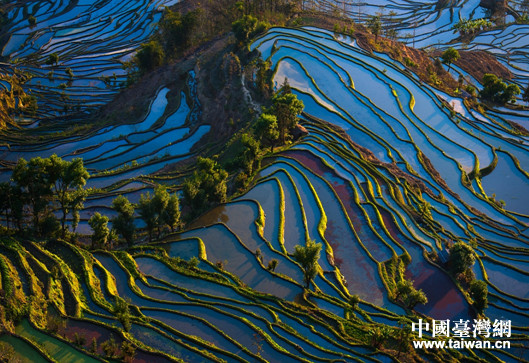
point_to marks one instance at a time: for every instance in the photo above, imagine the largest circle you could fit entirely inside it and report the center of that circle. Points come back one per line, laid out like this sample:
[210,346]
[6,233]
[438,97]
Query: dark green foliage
[53,59]
[450,56]
[51,180]
[110,347]
[32,21]
[8,353]
[272,264]
[497,91]
[156,211]
[102,237]
[479,293]
[248,156]
[307,256]
[461,257]
[176,31]
[122,313]
[35,188]
[93,346]
[49,226]
[148,213]
[123,223]
[263,78]
[79,340]
[68,178]
[374,25]
[8,198]
[128,350]
[525,95]
[150,56]
[286,107]
[409,295]
[266,129]
[171,213]
[207,185]
[247,27]
[353,301]
[378,336]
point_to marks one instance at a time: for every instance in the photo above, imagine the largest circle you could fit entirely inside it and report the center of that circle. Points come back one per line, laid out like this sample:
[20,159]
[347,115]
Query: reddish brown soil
[477,63]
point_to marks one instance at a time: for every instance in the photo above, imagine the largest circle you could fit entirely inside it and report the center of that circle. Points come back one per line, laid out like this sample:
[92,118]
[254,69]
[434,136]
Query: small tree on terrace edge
[247,27]
[374,25]
[123,223]
[479,293]
[150,56]
[207,185]
[68,177]
[286,107]
[307,256]
[266,129]
[160,209]
[450,56]
[102,236]
[495,90]
[35,189]
[461,257]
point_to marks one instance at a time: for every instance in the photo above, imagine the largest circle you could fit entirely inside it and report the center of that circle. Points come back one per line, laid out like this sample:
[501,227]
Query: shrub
[150,56]
[461,257]
[479,293]
[495,90]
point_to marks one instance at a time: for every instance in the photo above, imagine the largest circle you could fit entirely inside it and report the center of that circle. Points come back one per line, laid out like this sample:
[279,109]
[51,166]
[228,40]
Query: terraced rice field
[381,147]
[92,39]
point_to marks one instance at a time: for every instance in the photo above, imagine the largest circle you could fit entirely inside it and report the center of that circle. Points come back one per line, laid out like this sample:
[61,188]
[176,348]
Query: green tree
[31,178]
[263,77]
[248,156]
[374,25]
[266,129]
[148,213]
[99,224]
[151,209]
[128,350]
[6,191]
[272,264]
[68,178]
[354,300]
[479,293]
[123,223]
[16,205]
[53,59]
[247,27]
[150,56]
[171,213]
[110,347]
[176,31]
[32,21]
[307,256]
[461,257]
[450,56]
[409,295]
[494,89]
[122,313]
[286,107]
[206,186]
